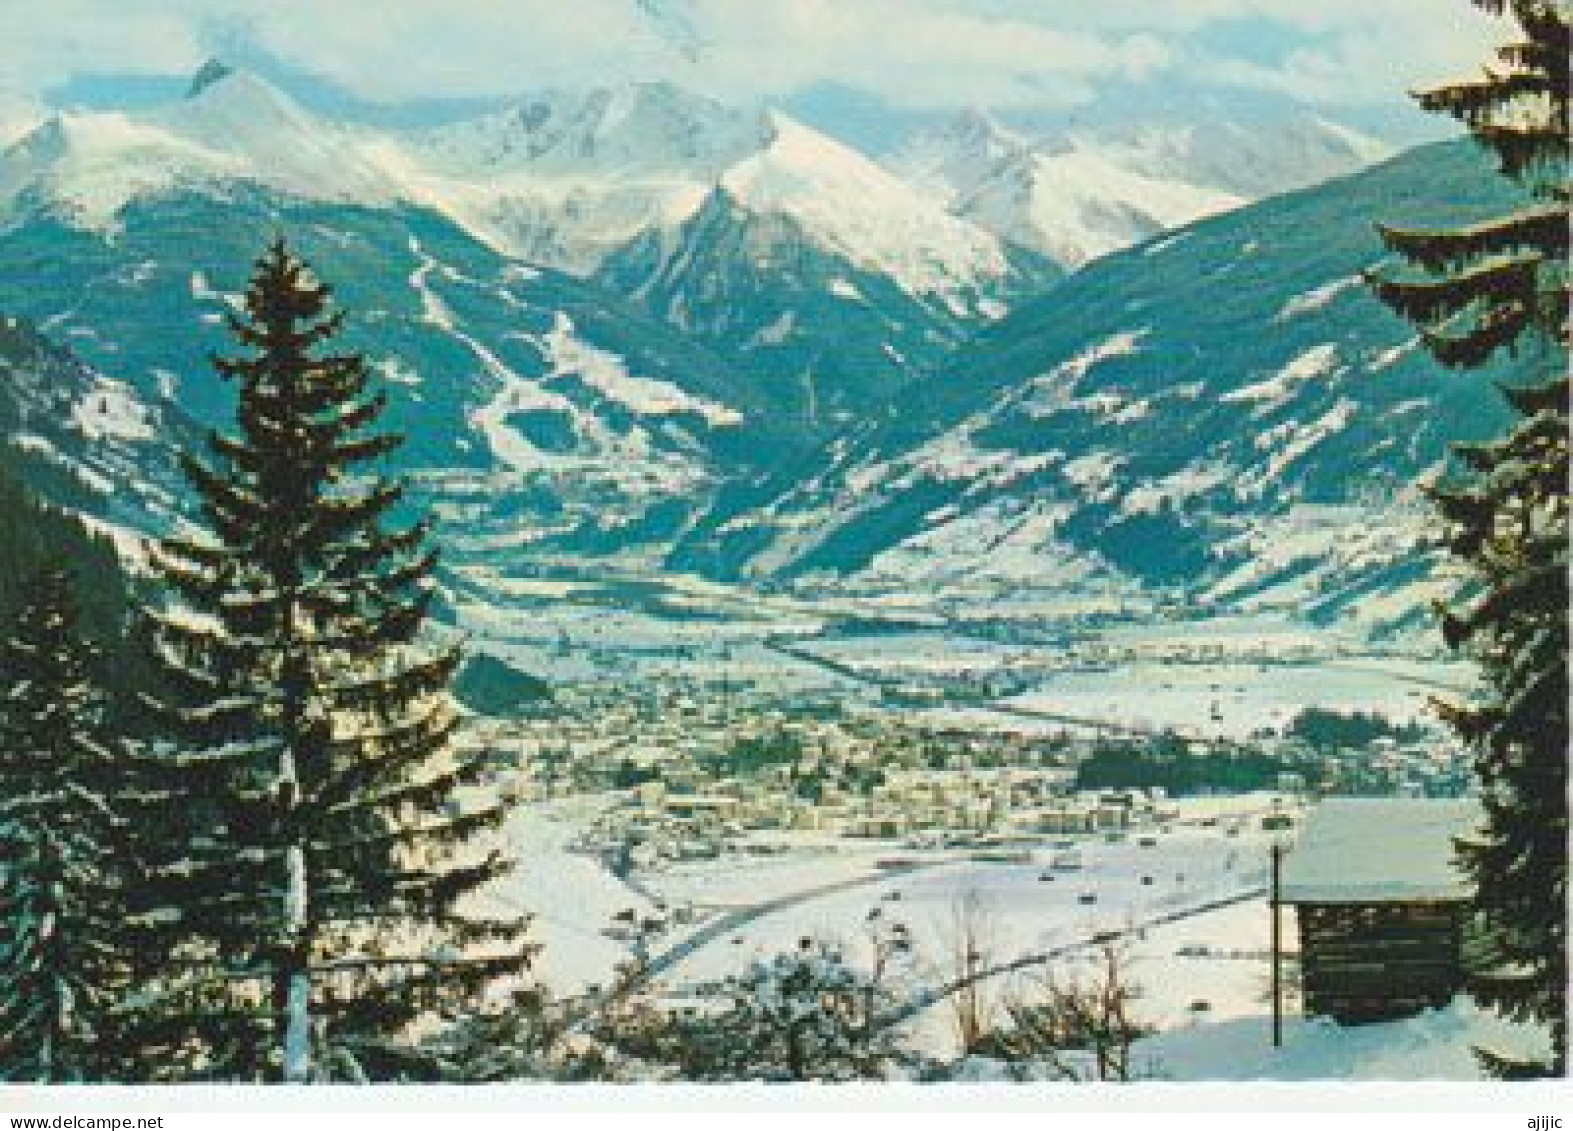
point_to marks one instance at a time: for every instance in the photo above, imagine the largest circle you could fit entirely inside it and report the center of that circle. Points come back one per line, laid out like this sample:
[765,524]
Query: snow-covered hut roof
[1379,850]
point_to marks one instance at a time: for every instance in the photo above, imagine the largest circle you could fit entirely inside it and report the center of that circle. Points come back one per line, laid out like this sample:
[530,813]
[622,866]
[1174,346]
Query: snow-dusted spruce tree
[1474,291]
[805,1014]
[62,965]
[310,874]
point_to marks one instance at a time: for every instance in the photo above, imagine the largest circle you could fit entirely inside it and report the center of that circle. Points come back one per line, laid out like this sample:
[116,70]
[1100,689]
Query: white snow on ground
[1222,958]
[917,652]
[1000,542]
[112,410]
[1081,202]
[1436,1045]
[236,128]
[203,291]
[433,309]
[626,459]
[1217,957]
[1245,697]
[1073,199]
[28,442]
[843,289]
[1314,364]
[1256,635]
[566,179]
[1093,472]
[1203,976]
[570,897]
[1198,973]
[1314,553]
[1053,390]
[131,546]
[98,161]
[1194,479]
[1316,299]
[745,882]
[1019,911]
[572,357]
[262,129]
[1087,191]
[1392,355]
[1113,408]
[1289,441]
[395,370]
[515,394]
[955,456]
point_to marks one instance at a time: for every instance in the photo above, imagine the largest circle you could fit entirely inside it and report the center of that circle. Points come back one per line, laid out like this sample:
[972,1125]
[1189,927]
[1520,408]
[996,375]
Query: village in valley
[692,771]
[721,803]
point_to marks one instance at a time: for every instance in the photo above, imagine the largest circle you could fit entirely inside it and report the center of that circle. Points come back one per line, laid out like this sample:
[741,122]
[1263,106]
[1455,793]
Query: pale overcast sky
[1347,57]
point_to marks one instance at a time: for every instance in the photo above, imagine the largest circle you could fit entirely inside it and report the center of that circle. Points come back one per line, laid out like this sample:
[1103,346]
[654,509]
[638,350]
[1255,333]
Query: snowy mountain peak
[212,71]
[1082,193]
[953,159]
[864,212]
[976,132]
[239,112]
[232,126]
[634,128]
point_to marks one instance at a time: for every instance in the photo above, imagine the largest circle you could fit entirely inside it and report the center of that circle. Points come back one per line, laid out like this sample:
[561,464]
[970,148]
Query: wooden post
[1277,852]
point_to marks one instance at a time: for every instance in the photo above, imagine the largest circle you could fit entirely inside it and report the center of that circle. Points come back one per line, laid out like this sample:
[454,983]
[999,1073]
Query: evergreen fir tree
[36,535]
[1475,291]
[314,852]
[62,966]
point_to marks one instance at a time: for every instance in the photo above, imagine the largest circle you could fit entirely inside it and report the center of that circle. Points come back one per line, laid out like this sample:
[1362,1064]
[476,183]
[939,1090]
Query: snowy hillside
[838,283]
[537,410]
[854,207]
[1082,193]
[1224,411]
[88,441]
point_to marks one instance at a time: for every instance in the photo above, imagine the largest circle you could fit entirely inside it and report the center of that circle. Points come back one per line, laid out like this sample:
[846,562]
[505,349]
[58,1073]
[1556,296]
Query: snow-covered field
[1234,698]
[1194,941]
[570,898]
[1436,1045]
[1073,890]
[921,652]
[1019,909]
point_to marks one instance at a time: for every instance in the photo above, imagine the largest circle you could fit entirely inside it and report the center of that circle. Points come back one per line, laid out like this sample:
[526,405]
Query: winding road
[733,920]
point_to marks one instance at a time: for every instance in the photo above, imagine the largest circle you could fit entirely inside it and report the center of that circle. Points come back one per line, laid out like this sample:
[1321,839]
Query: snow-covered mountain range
[1082,193]
[637,321]
[1223,412]
[567,178]
[561,179]
[623,183]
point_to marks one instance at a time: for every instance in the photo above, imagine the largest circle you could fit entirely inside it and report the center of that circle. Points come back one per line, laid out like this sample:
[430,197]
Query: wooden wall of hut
[1379,961]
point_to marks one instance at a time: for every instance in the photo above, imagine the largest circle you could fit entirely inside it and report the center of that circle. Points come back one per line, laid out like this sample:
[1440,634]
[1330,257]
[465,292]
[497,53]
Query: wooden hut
[1381,905]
